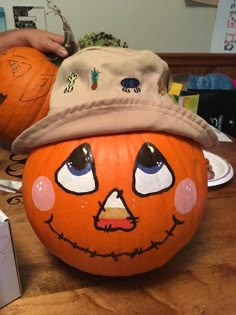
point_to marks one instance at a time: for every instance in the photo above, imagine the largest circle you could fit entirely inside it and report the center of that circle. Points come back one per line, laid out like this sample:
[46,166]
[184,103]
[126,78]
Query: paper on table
[10,287]
[221,136]
[10,185]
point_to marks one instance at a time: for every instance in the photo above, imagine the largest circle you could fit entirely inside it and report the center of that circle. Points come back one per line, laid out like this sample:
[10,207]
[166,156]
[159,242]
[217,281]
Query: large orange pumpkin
[26,77]
[116,205]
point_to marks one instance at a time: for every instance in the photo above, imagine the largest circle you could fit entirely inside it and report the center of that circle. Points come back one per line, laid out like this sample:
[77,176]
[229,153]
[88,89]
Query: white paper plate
[222,169]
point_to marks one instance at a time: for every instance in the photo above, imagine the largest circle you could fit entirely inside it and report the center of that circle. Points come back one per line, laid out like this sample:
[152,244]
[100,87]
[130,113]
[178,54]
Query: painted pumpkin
[116,205]
[26,77]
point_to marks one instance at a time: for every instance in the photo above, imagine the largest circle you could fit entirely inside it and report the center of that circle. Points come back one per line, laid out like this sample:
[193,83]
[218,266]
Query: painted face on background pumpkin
[118,204]
[26,77]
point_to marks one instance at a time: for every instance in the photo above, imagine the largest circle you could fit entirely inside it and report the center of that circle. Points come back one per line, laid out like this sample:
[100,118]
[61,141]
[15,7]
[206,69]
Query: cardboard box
[10,288]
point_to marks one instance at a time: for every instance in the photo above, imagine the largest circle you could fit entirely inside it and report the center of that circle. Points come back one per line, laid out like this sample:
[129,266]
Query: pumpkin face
[119,204]
[26,77]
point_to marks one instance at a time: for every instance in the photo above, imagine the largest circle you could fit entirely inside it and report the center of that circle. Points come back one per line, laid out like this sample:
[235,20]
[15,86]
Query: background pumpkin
[68,213]
[26,77]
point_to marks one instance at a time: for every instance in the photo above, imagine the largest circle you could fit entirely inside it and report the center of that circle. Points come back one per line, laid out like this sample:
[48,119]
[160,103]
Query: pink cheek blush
[43,194]
[185,196]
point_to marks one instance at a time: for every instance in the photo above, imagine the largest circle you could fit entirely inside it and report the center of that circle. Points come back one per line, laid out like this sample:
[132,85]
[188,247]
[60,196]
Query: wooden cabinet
[201,64]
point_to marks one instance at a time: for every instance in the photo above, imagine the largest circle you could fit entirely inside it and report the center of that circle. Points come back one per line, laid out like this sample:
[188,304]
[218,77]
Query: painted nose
[114,214]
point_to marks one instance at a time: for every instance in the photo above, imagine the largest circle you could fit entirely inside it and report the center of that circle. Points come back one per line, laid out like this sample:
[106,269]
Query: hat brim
[110,116]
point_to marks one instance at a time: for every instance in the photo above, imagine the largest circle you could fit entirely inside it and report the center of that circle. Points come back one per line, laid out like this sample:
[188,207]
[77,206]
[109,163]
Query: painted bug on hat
[130,83]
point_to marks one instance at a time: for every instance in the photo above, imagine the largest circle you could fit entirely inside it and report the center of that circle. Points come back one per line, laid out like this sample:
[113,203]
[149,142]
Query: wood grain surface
[199,280]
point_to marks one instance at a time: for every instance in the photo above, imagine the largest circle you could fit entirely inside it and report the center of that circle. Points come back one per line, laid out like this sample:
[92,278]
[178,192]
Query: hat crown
[107,90]
[98,73]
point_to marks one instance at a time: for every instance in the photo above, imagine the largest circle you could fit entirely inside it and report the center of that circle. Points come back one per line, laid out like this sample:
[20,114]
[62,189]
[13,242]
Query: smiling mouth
[154,245]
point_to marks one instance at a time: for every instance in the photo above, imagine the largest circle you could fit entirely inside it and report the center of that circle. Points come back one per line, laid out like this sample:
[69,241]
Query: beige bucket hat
[105,90]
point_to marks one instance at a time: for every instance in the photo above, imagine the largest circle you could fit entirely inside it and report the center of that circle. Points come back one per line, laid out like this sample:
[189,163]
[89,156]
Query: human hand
[44,41]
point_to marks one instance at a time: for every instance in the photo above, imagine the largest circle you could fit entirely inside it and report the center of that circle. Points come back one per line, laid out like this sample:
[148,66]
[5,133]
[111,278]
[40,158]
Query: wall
[159,25]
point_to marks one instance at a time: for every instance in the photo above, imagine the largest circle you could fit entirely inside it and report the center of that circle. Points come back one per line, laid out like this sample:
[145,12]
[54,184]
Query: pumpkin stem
[57,11]
[69,43]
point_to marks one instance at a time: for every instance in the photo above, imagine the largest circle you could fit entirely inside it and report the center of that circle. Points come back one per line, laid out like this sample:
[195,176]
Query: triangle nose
[114,207]
[114,214]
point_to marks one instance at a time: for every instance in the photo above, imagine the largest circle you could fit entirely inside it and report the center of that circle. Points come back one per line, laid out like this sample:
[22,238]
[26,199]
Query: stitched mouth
[153,245]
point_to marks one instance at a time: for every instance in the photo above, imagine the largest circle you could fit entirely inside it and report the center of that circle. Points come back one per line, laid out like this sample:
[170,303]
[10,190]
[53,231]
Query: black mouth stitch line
[115,256]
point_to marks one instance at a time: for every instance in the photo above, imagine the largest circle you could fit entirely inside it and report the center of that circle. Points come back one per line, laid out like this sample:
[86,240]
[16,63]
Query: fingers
[56,38]
[55,45]
[49,43]
[46,42]
[61,40]
[57,49]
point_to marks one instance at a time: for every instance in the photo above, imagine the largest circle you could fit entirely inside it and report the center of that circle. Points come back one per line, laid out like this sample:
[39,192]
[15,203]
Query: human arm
[44,41]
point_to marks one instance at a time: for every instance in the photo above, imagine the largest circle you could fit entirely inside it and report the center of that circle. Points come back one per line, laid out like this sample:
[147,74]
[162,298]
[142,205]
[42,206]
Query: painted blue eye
[152,173]
[77,174]
[151,170]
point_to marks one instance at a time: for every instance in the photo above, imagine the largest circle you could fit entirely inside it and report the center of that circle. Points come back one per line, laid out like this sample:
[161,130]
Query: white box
[10,288]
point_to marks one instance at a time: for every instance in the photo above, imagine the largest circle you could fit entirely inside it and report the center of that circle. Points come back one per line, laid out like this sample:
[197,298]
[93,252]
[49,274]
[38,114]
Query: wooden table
[199,280]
